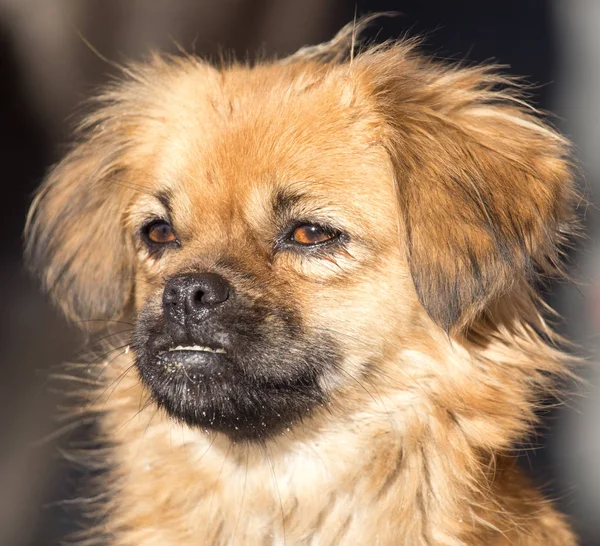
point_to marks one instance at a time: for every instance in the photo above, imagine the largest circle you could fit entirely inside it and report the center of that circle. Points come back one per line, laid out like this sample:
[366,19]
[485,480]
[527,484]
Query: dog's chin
[211,389]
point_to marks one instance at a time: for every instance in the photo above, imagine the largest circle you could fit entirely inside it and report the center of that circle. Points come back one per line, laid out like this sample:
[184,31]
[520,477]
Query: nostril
[199,297]
[210,290]
[193,295]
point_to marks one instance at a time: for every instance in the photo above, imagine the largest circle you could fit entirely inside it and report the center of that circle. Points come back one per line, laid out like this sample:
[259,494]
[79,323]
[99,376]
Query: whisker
[104,320]
[276,486]
[212,441]
[117,382]
[212,498]
[237,521]
[147,404]
[119,378]
[90,345]
[63,430]
[149,423]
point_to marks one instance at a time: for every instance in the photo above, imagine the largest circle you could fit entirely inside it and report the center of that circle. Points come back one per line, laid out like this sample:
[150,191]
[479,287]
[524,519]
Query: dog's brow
[283,200]
[165,199]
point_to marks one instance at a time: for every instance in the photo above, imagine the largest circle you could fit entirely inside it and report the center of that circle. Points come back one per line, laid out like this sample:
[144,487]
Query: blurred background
[48,67]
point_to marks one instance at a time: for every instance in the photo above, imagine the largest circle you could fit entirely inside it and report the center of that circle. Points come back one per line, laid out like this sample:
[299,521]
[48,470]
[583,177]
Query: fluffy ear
[485,187]
[74,236]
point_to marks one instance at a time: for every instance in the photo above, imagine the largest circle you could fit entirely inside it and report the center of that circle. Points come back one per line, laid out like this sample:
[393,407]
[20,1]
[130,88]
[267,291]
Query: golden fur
[456,197]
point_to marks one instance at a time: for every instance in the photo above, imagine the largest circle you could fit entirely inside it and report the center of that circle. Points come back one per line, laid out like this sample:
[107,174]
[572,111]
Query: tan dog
[329,263]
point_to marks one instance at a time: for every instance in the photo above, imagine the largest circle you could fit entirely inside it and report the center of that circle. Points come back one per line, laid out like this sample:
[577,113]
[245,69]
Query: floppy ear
[485,187]
[74,236]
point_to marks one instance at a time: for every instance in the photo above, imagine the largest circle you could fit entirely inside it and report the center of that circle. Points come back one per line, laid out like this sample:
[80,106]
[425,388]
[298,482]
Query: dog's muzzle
[219,358]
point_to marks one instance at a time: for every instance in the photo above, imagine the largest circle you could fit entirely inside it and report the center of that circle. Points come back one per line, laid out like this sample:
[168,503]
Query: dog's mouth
[195,362]
[247,380]
[191,355]
[197,349]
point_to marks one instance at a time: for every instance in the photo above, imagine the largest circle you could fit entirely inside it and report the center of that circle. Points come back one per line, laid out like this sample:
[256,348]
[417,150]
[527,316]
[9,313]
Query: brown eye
[311,234]
[160,232]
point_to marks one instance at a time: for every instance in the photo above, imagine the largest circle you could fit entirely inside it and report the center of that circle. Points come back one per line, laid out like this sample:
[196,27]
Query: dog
[330,266]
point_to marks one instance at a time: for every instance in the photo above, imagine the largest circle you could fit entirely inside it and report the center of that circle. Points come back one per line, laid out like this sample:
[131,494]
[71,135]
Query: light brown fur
[456,196]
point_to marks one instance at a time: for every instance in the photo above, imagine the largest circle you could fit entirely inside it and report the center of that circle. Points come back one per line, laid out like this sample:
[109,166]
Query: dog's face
[266,264]
[279,233]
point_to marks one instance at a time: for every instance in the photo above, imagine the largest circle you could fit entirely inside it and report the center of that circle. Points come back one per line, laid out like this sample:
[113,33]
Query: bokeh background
[49,63]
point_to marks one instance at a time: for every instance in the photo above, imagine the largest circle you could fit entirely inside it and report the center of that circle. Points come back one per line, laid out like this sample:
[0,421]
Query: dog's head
[278,232]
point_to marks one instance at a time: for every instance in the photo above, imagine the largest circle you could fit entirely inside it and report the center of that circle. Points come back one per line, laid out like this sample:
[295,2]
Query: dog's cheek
[368,315]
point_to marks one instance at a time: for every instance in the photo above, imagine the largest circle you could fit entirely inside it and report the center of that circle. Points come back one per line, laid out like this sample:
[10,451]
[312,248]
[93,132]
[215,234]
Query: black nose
[193,296]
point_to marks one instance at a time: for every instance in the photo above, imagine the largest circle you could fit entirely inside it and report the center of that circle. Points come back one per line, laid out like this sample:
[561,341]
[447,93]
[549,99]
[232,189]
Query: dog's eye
[312,234]
[160,232]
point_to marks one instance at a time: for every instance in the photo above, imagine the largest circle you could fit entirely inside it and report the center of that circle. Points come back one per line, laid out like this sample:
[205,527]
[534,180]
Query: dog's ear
[485,187]
[74,236]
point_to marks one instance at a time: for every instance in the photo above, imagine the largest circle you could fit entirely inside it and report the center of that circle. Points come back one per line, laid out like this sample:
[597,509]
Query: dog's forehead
[244,136]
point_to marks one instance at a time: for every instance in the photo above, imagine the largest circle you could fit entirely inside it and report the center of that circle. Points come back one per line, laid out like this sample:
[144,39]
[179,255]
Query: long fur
[460,198]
